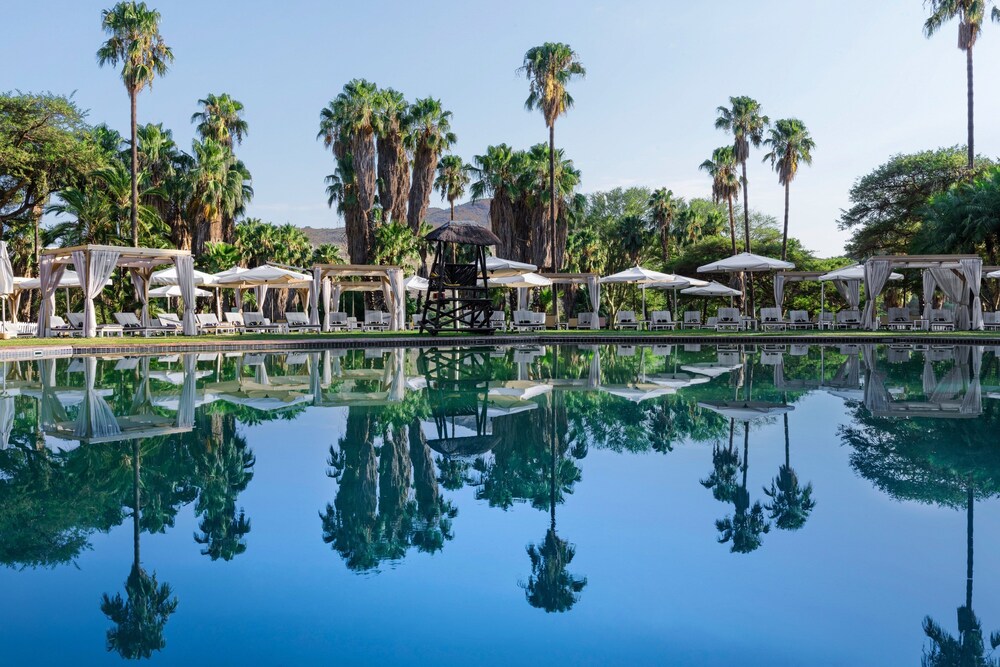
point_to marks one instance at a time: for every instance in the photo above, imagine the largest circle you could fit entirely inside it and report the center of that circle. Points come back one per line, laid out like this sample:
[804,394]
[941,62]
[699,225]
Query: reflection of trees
[947,462]
[744,528]
[374,518]
[790,503]
[140,617]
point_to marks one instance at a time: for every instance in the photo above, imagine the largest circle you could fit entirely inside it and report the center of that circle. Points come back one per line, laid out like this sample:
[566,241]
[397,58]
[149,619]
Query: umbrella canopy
[168,291]
[265,275]
[745,410]
[523,280]
[857,272]
[676,282]
[993,274]
[745,261]
[416,284]
[711,289]
[498,267]
[169,277]
[638,275]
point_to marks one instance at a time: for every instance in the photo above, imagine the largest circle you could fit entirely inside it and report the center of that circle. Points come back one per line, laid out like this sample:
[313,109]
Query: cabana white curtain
[327,286]
[876,275]
[972,271]
[95,419]
[594,290]
[185,280]
[185,409]
[140,280]
[779,290]
[955,289]
[398,299]
[314,296]
[850,290]
[49,275]
[929,286]
[93,274]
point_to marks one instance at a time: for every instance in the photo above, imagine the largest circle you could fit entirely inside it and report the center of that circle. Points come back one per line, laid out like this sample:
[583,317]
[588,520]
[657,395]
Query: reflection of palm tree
[968,649]
[725,466]
[550,586]
[226,465]
[139,618]
[747,524]
[790,504]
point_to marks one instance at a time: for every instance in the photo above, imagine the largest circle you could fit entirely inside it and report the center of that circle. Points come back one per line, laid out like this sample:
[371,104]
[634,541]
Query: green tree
[391,122]
[725,182]
[790,144]
[549,68]
[430,136]
[496,176]
[744,120]
[452,179]
[970,15]
[134,40]
[221,119]
[663,208]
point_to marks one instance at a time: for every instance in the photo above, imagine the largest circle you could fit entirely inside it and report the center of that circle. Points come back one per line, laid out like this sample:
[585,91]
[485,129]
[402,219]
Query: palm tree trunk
[968,536]
[135,174]
[732,223]
[787,448]
[135,500]
[784,236]
[746,233]
[452,203]
[552,212]
[968,77]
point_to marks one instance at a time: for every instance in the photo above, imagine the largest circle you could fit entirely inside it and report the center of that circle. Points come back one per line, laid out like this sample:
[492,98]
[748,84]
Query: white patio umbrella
[498,267]
[745,262]
[169,277]
[638,275]
[522,283]
[416,284]
[676,282]
[711,289]
[171,291]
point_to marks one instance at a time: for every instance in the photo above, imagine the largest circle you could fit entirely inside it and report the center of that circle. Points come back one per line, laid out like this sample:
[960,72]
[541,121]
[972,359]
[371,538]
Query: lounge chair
[799,319]
[662,319]
[297,322]
[991,321]
[942,320]
[415,320]
[338,321]
[692,319]
[848,319]
[584,320]
[26,329]
[525,320]
[625,319]
[59,327]
[899,319]
[130,324]
[171,322]
[771,320]
[825,320]
[728,319]
[209,323]
[712,322]
[376,320]
[255,321]
[498,320]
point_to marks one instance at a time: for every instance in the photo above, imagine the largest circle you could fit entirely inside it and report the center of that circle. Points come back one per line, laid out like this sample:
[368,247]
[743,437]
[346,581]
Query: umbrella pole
[643,303]
[822,300]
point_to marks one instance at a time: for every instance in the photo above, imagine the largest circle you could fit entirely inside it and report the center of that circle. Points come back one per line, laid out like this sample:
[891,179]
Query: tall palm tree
[745,121]
[452,179]
[134,40]
[725,182]
[970,15]
[663,208]
[549,68]
[221,119]
[790,144]
[391,128]
[221,189]
[430,136]
[346,126]
[496,177]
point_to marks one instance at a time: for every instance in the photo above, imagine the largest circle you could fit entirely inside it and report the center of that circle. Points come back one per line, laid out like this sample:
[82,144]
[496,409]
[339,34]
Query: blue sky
[859,73]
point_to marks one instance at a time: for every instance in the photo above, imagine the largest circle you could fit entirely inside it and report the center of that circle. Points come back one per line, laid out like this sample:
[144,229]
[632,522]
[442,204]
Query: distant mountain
[471,212]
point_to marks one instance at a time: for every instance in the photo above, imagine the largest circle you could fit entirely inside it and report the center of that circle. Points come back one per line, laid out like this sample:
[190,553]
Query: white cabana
[498,267]
[746,262]
[591,281]
[95,264]
[263,278]
[958,276]
[327,279]
[847,280]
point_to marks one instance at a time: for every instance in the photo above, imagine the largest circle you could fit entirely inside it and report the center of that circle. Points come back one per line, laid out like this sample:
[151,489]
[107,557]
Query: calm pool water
[502,506]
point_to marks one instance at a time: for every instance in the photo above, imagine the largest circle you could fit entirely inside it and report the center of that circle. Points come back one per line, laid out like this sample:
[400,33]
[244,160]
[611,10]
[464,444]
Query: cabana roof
[924,261]
[799,276]
[127,255]
[355,270]
[469,233]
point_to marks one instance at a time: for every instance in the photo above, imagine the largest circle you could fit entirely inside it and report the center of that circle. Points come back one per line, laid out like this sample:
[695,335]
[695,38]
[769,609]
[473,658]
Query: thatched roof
[462,447]
[469,233]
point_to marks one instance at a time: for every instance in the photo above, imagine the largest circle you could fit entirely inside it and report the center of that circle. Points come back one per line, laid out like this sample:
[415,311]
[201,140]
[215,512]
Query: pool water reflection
[598,504]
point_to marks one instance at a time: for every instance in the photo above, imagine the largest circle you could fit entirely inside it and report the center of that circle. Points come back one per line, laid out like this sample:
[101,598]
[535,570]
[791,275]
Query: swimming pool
[771,505]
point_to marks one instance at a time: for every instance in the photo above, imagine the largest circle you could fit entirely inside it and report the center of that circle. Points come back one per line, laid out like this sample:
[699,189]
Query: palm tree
[746,123]
[725,182]
[970,15]
[221,189]
[391,128]
[549,68]
[452,179]
[790,143]
[496,177]
[221,119]
[663,208]
[430,136]
[790,504]
[135,42]
[346,126]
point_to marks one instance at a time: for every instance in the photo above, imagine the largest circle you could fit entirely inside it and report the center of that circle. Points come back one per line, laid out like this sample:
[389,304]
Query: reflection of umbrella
[711,368]
[745,410]
[677,380]
[640,391]
[259,396]
[522,389]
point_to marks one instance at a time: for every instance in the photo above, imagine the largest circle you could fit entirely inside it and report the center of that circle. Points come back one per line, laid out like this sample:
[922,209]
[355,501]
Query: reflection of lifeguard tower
[458,294]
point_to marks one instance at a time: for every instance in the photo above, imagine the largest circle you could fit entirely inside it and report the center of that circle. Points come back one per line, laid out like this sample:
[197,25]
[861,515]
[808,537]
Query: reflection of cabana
[957,395]
[329,280]
[95,263]
[958,276]
[746,411]
[592,281]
